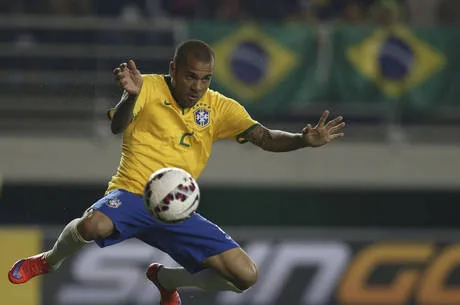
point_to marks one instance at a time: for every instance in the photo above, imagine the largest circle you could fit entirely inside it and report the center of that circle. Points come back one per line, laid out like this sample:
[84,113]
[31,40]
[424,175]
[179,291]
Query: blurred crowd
[426,12]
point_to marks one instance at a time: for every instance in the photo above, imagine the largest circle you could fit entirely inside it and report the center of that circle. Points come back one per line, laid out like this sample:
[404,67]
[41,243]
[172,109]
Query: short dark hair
[197,49]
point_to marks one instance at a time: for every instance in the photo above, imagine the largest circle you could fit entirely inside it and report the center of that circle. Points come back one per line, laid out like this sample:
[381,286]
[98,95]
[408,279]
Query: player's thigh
[190,242]
[235,265]
[95,225]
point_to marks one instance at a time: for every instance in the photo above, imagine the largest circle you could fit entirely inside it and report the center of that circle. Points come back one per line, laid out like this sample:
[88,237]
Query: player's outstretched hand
[128,77]
[323,132]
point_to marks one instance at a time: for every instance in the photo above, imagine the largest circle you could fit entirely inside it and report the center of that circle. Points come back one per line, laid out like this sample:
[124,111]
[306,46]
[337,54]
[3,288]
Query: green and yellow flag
[392,63]
[257,65]
[284,69]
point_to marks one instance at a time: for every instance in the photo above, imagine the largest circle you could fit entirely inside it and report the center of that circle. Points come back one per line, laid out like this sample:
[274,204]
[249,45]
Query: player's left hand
[128,77]
[323,132]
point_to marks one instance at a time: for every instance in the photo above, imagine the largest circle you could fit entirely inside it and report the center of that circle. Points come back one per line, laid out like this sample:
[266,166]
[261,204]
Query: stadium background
[370,219]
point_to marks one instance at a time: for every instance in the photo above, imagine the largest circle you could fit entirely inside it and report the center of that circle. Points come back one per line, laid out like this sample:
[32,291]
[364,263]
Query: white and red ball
[171,195]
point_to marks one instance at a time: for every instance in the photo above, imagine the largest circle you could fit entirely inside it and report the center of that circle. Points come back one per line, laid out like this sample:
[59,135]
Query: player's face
[191,80]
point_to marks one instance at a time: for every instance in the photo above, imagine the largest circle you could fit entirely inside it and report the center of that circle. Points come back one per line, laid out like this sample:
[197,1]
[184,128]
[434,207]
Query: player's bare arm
[130,79]
[282,141]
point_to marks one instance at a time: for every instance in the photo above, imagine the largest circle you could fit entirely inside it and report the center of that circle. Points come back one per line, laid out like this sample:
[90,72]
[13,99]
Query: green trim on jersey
[241,138]
[110,113]
[168,81]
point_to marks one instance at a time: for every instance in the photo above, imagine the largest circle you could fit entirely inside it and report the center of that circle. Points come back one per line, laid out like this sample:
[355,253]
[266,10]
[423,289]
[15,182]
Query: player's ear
[172,69]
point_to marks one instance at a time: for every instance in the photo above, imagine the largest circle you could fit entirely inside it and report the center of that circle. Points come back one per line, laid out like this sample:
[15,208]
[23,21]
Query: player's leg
[231,270]
[73,237]
[236,266]
[94,225]
[108,221]
[211,259]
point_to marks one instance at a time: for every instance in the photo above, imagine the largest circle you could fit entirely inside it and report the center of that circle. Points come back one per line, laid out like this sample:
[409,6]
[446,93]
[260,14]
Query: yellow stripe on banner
[17,244]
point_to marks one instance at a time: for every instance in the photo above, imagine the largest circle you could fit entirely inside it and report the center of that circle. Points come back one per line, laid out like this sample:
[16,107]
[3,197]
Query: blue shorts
[188,243]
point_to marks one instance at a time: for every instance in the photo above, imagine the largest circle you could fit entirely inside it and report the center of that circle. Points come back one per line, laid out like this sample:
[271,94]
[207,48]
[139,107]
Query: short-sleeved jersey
[162,134]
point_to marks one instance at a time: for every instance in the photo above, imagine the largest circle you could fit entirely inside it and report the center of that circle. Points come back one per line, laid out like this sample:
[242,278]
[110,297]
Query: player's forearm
[282,141]
[123,113]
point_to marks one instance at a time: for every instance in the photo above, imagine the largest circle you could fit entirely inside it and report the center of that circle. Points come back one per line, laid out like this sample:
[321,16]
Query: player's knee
[95,226]
[246,277]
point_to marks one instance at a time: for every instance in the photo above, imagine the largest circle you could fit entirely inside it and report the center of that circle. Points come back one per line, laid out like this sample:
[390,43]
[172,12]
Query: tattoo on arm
[259,136]
[275,140]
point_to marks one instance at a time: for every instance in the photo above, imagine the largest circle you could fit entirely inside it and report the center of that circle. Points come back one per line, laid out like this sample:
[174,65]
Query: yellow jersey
[162,134]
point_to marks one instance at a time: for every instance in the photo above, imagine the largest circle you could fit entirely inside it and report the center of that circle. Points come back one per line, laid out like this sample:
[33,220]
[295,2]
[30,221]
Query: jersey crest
[202,117]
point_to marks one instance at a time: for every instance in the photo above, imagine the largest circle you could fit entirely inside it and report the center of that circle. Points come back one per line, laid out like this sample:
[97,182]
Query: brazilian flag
[261,66]
[416,67]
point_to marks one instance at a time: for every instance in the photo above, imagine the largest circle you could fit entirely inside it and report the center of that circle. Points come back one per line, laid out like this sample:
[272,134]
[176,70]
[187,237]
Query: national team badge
[201,117]
[113,203]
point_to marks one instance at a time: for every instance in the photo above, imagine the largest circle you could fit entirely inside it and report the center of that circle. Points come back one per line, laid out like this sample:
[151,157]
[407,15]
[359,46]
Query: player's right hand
[128,77]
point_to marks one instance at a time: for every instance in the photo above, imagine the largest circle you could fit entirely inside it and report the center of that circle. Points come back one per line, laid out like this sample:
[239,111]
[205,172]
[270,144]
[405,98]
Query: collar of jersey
[173,103]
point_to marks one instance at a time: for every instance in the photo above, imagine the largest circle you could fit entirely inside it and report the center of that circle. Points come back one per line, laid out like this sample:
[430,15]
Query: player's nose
[197,86]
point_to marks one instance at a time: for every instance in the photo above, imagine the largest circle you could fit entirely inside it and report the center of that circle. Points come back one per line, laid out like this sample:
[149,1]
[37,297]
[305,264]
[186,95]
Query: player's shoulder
[219,100]
[156,85]
[153,79]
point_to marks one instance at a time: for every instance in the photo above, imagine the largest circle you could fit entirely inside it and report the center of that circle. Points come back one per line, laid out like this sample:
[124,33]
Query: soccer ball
[171,195]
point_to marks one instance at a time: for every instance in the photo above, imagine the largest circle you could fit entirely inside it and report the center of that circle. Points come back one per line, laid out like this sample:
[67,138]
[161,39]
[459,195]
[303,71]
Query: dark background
[254,206]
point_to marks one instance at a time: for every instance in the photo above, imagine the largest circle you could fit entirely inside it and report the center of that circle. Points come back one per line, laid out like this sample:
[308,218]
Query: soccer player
[172,121]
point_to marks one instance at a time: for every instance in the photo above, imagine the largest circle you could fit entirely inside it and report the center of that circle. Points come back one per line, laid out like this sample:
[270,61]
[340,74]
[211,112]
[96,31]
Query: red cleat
[25,269]
[168,297]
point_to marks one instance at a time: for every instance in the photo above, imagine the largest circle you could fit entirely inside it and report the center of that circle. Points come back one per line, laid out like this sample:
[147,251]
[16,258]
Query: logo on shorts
[113,203]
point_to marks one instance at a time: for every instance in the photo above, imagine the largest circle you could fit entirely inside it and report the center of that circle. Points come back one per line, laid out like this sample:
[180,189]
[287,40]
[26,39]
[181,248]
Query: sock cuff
[74,231]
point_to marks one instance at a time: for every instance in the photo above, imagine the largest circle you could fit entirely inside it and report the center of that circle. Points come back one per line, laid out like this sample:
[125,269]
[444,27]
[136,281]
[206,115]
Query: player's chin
[191,100]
